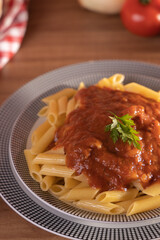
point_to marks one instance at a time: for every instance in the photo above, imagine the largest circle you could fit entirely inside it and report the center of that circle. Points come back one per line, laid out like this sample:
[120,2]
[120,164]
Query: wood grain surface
[60,33]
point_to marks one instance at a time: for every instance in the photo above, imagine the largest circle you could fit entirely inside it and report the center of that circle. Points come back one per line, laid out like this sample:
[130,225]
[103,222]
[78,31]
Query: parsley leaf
[121,127]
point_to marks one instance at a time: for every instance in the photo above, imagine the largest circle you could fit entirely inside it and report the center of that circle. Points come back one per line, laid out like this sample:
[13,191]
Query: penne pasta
[70,183]
[71,105]
[38,132]
[104,83]
[81,194]
[116,196]
[34,169]
[82,185]
[56,150]
[52,112]
[152,190]
[114,82]
[56,170]
[144,205]
[144,91]
[138,185]
[69,92]
[62,108]
[57,190]
[95,206]
[50,158]
[47,182]
[44,141]
[127,203]
[62,105]
[77,157]
[81,85]
[116,79]
[43,111]
[81,178]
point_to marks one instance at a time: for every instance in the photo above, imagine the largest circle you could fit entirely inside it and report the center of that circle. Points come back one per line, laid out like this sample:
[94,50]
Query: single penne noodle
[77,104]
[44,141]
[116,196]
[81,178]
[118,86]
[62,105]
[50,158]
[81,193]
[126,204]
[58,190]
[52,112]
[114,82]
[82,185]
[138,185]
[34,169]
[38,132]
[116,79]
[104,83]
[144,205]
[56,170]
[95,206]
[62,108]
[81,85]
[60,120]
[64,196]
[70,183]
[69,92]
[43,111]
[47,182]
[58,150]
[71,105]
[144,91]
[152,190]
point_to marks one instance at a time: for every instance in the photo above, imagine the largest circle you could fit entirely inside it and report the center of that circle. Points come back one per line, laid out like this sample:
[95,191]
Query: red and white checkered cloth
[13,25]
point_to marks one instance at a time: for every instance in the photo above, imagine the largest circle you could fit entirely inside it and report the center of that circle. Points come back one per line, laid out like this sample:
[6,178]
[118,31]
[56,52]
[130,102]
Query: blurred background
[61,32]
[57,33]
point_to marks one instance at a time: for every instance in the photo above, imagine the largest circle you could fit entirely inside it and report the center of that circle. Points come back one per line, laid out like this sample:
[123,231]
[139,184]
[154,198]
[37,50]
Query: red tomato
[142,17]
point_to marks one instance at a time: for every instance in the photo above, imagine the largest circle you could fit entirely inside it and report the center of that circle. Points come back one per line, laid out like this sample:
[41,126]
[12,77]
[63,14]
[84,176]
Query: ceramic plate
[19,114]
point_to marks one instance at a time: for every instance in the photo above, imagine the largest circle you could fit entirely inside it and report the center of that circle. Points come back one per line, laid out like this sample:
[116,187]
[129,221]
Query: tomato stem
[145,2]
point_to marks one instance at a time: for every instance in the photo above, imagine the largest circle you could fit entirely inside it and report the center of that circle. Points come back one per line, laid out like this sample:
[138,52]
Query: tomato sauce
[91,151]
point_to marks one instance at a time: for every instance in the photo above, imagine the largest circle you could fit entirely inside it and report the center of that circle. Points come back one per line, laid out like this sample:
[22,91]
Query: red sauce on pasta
[91,151]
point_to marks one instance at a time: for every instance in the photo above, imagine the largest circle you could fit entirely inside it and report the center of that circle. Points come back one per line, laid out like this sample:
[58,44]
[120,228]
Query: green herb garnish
[121,127]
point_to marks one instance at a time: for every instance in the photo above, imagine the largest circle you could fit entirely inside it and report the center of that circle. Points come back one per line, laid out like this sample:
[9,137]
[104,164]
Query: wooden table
[60,33]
